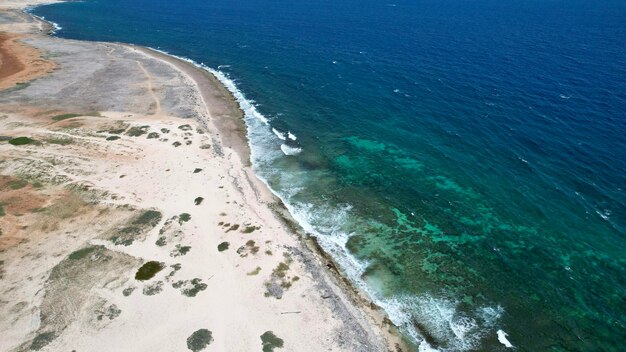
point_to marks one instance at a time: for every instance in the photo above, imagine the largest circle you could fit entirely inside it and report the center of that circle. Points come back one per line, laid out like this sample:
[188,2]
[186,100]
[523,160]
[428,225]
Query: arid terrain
[130,219]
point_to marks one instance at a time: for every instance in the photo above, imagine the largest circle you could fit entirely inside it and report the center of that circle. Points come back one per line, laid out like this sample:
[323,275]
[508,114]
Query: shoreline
[241,145]
[231,131]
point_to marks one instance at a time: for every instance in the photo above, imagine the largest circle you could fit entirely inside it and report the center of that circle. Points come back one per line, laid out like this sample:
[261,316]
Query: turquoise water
[464,161]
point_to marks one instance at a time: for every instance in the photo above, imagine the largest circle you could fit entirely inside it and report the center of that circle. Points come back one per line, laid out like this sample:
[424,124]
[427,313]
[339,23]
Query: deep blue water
[465,161]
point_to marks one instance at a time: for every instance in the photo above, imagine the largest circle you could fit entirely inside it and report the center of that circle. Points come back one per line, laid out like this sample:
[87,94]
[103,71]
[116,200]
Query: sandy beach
[131,219]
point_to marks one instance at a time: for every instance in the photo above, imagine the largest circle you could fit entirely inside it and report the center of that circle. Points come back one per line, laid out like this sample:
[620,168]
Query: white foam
[279,134]
[503,340]
[55,26]
[438,315]
[291,136]
[290,150]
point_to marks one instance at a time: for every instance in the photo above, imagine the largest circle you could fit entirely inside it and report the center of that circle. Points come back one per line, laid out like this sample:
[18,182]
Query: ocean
[463,161]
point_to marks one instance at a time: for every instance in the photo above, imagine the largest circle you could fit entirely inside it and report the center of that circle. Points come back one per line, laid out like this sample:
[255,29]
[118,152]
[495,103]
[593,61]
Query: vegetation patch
[250,229]
[249,247]
[270,341]
[185,127]
[17,184]
[199,340]
[112,138]
[223,246]
[128,291]
[153,135]
[161,241]
[138,226]
[84,252]
[21,141]
[190,288]
[165,130]
[148,270]
[60,141]
[137,131]
[281,269]
[2,212]
[279,281]
[198,200]
[175,268]
[118,130]
[153,289]
[255,271]
[184,217]
[42,340]
[176,144]
[110,312]
[18,86]
[233,228]
[180,251]
[196,170]
[150,218]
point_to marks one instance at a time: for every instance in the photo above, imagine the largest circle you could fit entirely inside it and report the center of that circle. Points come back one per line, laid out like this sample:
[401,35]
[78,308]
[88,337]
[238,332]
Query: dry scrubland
[129,222]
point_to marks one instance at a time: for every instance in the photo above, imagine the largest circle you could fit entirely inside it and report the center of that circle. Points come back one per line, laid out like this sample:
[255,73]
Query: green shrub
[270,341]
[148,270]
[137,131]
[150,217]
[223,246]
[82,253]
[17,184]
[199,340]
[21,141]
[184,217]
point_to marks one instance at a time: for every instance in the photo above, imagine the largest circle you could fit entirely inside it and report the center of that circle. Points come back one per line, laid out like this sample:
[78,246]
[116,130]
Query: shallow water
[464,161]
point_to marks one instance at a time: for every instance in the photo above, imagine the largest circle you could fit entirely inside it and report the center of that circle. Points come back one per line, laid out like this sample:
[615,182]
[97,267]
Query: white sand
[316,313]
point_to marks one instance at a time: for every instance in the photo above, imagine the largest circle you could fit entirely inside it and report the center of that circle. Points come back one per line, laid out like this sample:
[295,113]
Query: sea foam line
[460,329]
[334,245]
[55,26]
